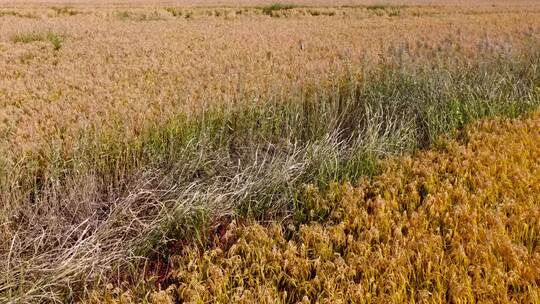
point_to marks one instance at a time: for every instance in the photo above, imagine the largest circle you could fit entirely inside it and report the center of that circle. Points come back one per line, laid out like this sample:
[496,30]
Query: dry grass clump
[458,224]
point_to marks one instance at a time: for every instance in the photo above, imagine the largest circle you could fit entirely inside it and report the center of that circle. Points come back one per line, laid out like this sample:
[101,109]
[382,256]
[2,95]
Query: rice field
[123,69]
[130,132]
[456,224]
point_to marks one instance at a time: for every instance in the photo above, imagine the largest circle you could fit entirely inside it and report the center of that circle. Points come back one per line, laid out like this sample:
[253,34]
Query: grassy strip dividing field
[460,223]
[77,217]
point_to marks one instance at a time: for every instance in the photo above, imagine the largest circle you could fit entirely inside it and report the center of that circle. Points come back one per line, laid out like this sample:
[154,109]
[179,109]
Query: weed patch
[54,39]
[65,11]
[18,14]
[272,9]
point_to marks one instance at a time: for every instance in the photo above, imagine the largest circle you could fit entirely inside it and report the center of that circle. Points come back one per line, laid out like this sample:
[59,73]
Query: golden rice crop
[457,224]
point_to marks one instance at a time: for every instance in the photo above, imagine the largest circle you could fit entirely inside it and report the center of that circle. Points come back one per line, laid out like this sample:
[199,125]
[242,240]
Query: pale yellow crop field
[124,69]
[236,3]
